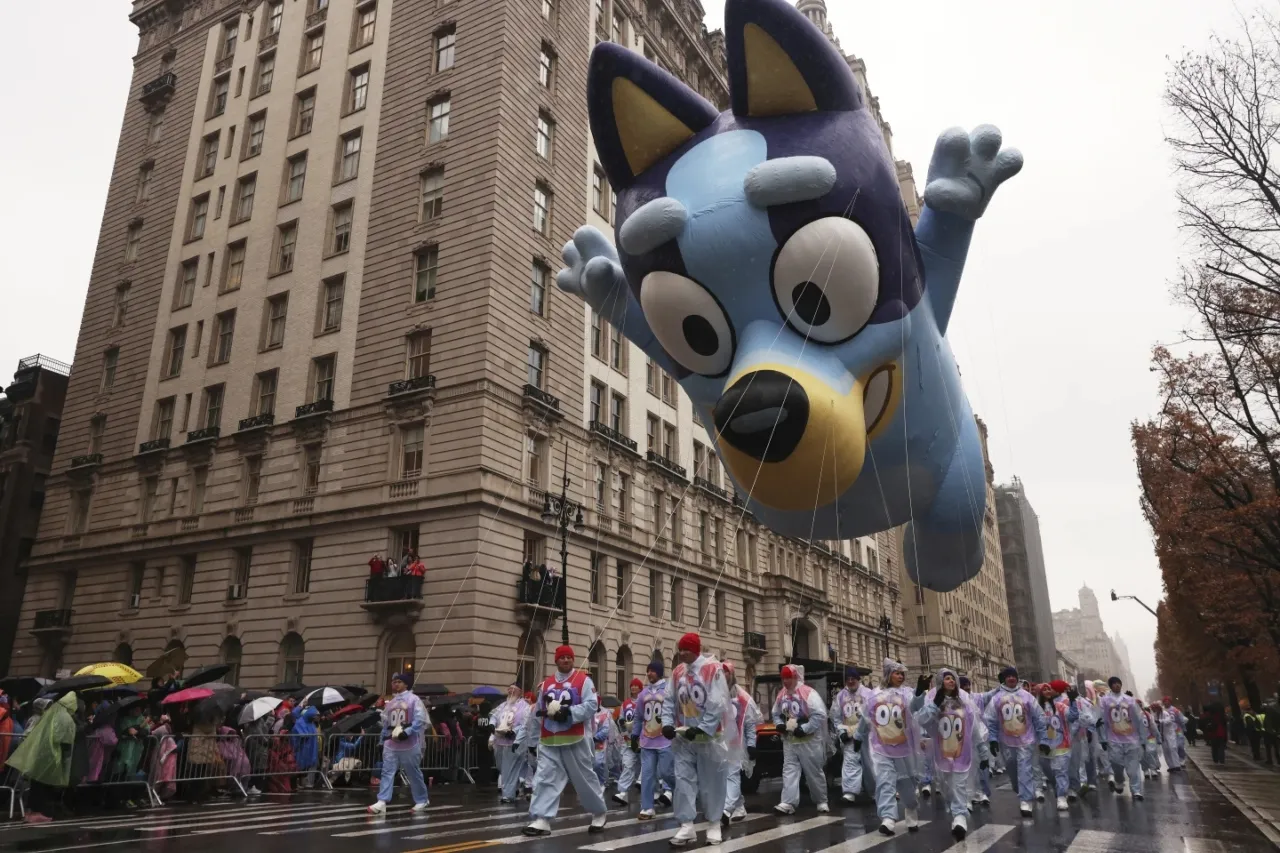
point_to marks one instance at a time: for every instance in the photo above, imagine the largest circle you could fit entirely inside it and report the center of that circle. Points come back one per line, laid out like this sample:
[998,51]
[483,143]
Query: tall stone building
[1026,586]
[1124,668]
[1079,632]
[324,280]
[966,629]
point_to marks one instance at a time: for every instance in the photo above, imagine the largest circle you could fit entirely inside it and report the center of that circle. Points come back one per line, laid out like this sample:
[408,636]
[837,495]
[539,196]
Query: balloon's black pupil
[698,333]
[811,305]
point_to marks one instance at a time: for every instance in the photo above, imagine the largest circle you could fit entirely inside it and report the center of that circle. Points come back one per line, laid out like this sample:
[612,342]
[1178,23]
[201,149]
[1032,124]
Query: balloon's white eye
[698,693]
[958,727]
[826,279]
[944,727]
[1007,712]
[883,715]
[688,322]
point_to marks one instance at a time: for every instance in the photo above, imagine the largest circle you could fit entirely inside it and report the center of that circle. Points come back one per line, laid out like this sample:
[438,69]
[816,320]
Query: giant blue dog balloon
[766,259]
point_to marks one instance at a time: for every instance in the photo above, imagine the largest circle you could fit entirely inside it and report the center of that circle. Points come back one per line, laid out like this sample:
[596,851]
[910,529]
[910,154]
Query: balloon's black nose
[764,415]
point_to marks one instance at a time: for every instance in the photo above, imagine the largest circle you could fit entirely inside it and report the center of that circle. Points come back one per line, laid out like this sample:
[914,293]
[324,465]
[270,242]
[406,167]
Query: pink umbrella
[190,694]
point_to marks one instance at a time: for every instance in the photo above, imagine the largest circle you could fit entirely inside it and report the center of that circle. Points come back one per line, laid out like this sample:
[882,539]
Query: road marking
[386,829]
[200,821]
[980,839]
[1097,841]
[454,848]
[557,833]
[661,835]
[744,841]
[311,821]
[503,823]
[857,845]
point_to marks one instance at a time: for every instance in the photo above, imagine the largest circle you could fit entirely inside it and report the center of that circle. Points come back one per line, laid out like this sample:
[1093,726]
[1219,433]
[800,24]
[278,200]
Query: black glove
[995,747]
[563,715]
[984,764]
[1104,746]
[782,728]
[540,713]
[404,735]
[669,732]
[939,697]
[533,750]
[635,744]
[692,732]
[857,745]
[844,737]
[1089,735]
[922,684]
[1073,694]
[751,753]
[1044,749]
[801,721]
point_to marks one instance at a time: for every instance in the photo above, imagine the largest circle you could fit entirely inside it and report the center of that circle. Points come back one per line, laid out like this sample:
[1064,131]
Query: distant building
[1123,668]
[1026,587]
[1079,632]
[30,416]
[1067,669]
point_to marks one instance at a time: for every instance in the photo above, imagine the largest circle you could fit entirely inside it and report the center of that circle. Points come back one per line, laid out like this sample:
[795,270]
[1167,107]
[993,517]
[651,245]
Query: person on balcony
[648,741]
[562,728]
[404,719]
[376,566]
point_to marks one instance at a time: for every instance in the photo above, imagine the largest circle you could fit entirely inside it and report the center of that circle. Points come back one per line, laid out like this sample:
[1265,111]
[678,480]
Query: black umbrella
[214,707]
[205,674]
[430,689]
[354,722]
[108,713]
[289,688]
[446,701]
[610,702]
[23,688]
[367,700]
[75,682]
[355,689]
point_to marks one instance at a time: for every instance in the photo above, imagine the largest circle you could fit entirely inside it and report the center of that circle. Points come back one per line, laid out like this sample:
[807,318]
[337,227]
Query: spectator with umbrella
[256,718]
[306,744]
[44,757]
[132,731]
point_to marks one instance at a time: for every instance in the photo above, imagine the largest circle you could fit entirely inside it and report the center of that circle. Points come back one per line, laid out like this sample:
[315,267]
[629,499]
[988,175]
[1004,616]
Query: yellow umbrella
[117,672]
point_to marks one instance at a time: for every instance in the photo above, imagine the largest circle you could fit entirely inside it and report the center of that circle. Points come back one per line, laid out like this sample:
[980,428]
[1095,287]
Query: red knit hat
[635,682]
[562,651]
[728,667]
[790,671]
[1059,686]
[690,642]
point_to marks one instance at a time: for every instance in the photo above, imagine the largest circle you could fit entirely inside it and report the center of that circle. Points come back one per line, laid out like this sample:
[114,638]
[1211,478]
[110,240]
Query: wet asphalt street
[1192,812]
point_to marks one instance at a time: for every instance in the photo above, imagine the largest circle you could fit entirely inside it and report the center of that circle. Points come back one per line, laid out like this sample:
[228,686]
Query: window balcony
[223,64]
[534,394]
[706,485]
[539,591]
[257,421]
[753,641]
[153,445]
[409,386]
[20,391]
[160,89]
[315,407]
[267,42]
[206,434]
[88,460]
[613,435]
[397,599]
[666,464]
[52,624]
[316,18]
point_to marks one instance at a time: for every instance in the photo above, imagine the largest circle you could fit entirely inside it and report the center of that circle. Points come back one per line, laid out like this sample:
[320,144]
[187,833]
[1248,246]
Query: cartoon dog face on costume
[1120,722]
[851,712]
[1053,728]
[890,716]
[628,716]
[1013,718]
[769,250]
[506,720]
[566,694]
[791,707]
[691,697]
[951,729]
[652,725]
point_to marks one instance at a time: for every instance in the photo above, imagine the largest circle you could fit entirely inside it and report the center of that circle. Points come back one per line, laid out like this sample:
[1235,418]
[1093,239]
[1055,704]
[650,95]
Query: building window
[234,275]
[668,389]
[536,448]
[622,497]
[601,486]
[212,407]
[677,600]
[618,413]
[150,488]
[246,189]
[304,112]
[704,534]
[275,16]
[199,481]
[445,39]
[230,34]
[132,240]
[537,363]
[208,154]
[286,242]
[186,579]
[340,239]
[199,214]
[257,132]
[597,578]
[548,9]
[546,67]
[218,96]
[655,593]
[297,177]
[312,51]
[357,88]
[291,656]
[322,369]
[652,426]
[432,190]
[541,209]
[622,591]
[411,439]
[597,402]
[538,277]
[224,332]
[121,308]
[265,393]
[366,18]
[311,469]
[419,355]
[155,126]
[617,349]
[599,192]
[425,264]
[177,346]
[265,74]
[163,427]
[438,119]
[186,289]
[302,566]
[331,311]
[230,652]
[277,309]
[597,335]
[97,425]
[546,133]
[670,444]
[349,161]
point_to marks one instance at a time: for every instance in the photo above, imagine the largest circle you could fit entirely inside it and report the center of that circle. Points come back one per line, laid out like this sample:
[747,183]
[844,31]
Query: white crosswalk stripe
[1097,841]
[980,839]
[311,819]
[384,830]
[745,841]
[557,833]
[863,842]
[207,820]
[620,843]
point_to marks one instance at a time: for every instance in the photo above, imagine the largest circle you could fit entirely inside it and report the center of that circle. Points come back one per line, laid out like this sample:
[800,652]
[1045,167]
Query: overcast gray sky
[1064,295]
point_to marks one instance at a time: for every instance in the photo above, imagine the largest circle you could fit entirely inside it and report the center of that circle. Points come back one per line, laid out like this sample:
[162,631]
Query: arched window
[123,654]
[622,673]
[402,652]
[229,653]
[800,640]
[598,663]
[291,655]
[530,659]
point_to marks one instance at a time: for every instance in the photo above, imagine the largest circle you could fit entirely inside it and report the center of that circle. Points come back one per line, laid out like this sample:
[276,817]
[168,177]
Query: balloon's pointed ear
[781,64]
[639,113]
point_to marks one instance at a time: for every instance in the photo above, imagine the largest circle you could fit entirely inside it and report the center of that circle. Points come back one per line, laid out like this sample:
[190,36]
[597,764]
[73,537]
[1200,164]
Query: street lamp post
[562,512]
[886,625]
[1115,597]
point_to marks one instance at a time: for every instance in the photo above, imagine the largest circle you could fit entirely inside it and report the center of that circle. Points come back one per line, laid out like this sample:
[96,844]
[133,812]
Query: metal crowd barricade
[469,763]
[208,758]
[288,754]
[352,759]
[441,755]
[11,779]
[115,774]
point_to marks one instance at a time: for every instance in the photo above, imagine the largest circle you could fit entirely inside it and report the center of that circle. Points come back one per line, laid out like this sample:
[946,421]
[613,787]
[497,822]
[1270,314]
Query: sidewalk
[1250,786]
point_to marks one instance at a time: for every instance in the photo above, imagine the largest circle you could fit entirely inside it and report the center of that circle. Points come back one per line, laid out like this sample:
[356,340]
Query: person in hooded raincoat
[630,757]
[1172,733]
[746,716]
[657,767]
[44,756]
[846,715]
[1082,770]
[1122,731]
[508,721]
[306,745]
[1017,727]
[801,718]
[951,718]
[603,740]
[1151,748]
[979,771]
[132,731]
[893,739]
[697,716]
[1062,718]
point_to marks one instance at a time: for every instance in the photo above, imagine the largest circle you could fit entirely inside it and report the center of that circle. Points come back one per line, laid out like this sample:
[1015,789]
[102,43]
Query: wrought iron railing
[315,407]
[417,383]
[546,398]
[48,620]
[665,463]
[205,434]
[707,485]
[541,592]
[754,641]
[263,420]
[161,87]
[86,460]
[400,588]
[153,445]
[613,435]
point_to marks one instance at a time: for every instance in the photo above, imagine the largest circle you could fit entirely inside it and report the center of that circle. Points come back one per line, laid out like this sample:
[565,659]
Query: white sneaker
[253,791]
[1062,804]
[620,799]
[1026,809]
[598,822]
[959,827]
[823,808]
[378,807]
[646,814]
[913,820]
[783,808]
[1040,795]
[714,834]
[540,826]
[418,808]
[665,798]
[850,798]
[886,826]
[739,814]
[985,800]
[684,836]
